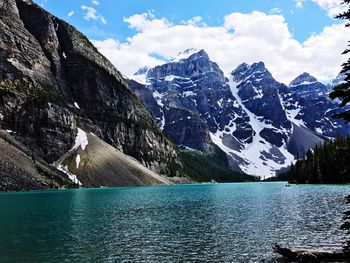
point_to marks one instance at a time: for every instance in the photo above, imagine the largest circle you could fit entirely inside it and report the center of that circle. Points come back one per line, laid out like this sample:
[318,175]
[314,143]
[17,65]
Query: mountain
[262,125]
[310,99]
[196,86]
[55,87]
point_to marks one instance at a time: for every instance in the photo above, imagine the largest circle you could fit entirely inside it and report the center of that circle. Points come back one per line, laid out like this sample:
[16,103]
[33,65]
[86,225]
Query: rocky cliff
[53,80]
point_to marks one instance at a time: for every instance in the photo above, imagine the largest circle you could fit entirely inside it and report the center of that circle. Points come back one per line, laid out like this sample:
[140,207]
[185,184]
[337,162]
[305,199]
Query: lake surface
[189,223]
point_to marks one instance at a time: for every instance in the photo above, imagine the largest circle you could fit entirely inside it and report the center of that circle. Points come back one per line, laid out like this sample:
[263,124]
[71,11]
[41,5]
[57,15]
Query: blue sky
[290,32]
[303,22]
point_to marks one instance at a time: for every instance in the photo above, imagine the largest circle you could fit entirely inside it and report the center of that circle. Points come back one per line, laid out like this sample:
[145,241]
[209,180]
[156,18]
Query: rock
[307,258]
[186,128]
[311,255]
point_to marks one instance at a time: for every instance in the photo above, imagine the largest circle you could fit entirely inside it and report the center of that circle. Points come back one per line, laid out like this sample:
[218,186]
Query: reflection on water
[199,223]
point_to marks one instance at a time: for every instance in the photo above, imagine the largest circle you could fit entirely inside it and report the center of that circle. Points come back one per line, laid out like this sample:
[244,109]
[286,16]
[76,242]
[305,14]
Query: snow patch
[255,162]
[71,176]
[170,78]
[158,97]
[64,55]
[142,79]
[162,123]
[189,94]
[292,113]
[319,131]
[81,140]
[220,102]
[77,160]
[304,83]
[185,54]
[76,105]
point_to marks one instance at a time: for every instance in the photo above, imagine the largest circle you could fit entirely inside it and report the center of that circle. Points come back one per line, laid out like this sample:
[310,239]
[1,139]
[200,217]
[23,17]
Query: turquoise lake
[184,223]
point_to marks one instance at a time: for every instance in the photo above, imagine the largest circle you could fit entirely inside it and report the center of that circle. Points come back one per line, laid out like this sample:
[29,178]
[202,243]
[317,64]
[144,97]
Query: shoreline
[163,186]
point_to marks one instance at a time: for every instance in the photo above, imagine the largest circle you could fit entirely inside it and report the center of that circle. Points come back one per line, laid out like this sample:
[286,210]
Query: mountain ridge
[248,108]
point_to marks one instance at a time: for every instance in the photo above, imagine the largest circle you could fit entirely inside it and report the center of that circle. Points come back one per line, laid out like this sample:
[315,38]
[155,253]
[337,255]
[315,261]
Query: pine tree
[342,91]
[328,163]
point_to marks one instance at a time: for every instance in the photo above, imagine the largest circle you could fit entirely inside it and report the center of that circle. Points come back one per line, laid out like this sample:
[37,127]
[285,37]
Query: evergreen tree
[328,163]
[342,91]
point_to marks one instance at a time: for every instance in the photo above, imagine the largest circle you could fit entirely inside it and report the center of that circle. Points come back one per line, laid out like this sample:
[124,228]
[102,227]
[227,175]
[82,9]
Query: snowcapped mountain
[185,54]
[309,103]
[261,124]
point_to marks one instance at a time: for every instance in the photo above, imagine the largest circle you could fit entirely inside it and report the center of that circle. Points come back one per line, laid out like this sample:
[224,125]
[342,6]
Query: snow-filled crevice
[253,153]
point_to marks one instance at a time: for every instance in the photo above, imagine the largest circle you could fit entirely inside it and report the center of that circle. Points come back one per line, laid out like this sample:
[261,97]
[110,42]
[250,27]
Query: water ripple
[200,223]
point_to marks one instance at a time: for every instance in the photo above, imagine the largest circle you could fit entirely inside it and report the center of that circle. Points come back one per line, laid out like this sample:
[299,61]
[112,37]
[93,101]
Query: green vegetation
[73,32]
[204,168]
[36,95]
[342,91]
[328,163]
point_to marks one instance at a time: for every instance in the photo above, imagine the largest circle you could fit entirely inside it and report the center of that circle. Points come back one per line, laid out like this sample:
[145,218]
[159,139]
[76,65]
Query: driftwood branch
[312,255]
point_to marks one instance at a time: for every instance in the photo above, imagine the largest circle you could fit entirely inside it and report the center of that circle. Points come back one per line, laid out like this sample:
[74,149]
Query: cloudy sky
[290,36]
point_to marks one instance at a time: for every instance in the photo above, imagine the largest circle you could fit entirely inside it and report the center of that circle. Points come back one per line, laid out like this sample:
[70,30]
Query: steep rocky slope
[95,163]
[308,101]
[53,80]
[20,170]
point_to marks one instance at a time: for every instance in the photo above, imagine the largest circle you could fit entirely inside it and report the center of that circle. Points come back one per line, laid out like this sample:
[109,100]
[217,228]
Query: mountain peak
[142,70]
[258,66]
[189,53]
[242,67]
[303,79]
[245,70]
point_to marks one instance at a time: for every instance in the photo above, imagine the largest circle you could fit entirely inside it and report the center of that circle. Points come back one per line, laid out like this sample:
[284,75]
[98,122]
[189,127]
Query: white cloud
[299,3]
[242,38]
[95,2]
[276,10]
[195,21]
[91,14]
[333,7]
[71,13]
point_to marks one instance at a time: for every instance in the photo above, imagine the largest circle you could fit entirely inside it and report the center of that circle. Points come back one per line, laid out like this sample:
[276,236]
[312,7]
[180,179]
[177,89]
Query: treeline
[328,163]
[205,168]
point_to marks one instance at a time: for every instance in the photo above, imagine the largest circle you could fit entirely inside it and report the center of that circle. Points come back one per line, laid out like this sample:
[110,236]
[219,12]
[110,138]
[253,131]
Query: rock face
[198,90]
[259,93]
[262,125]
[309,102]
[53,80]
